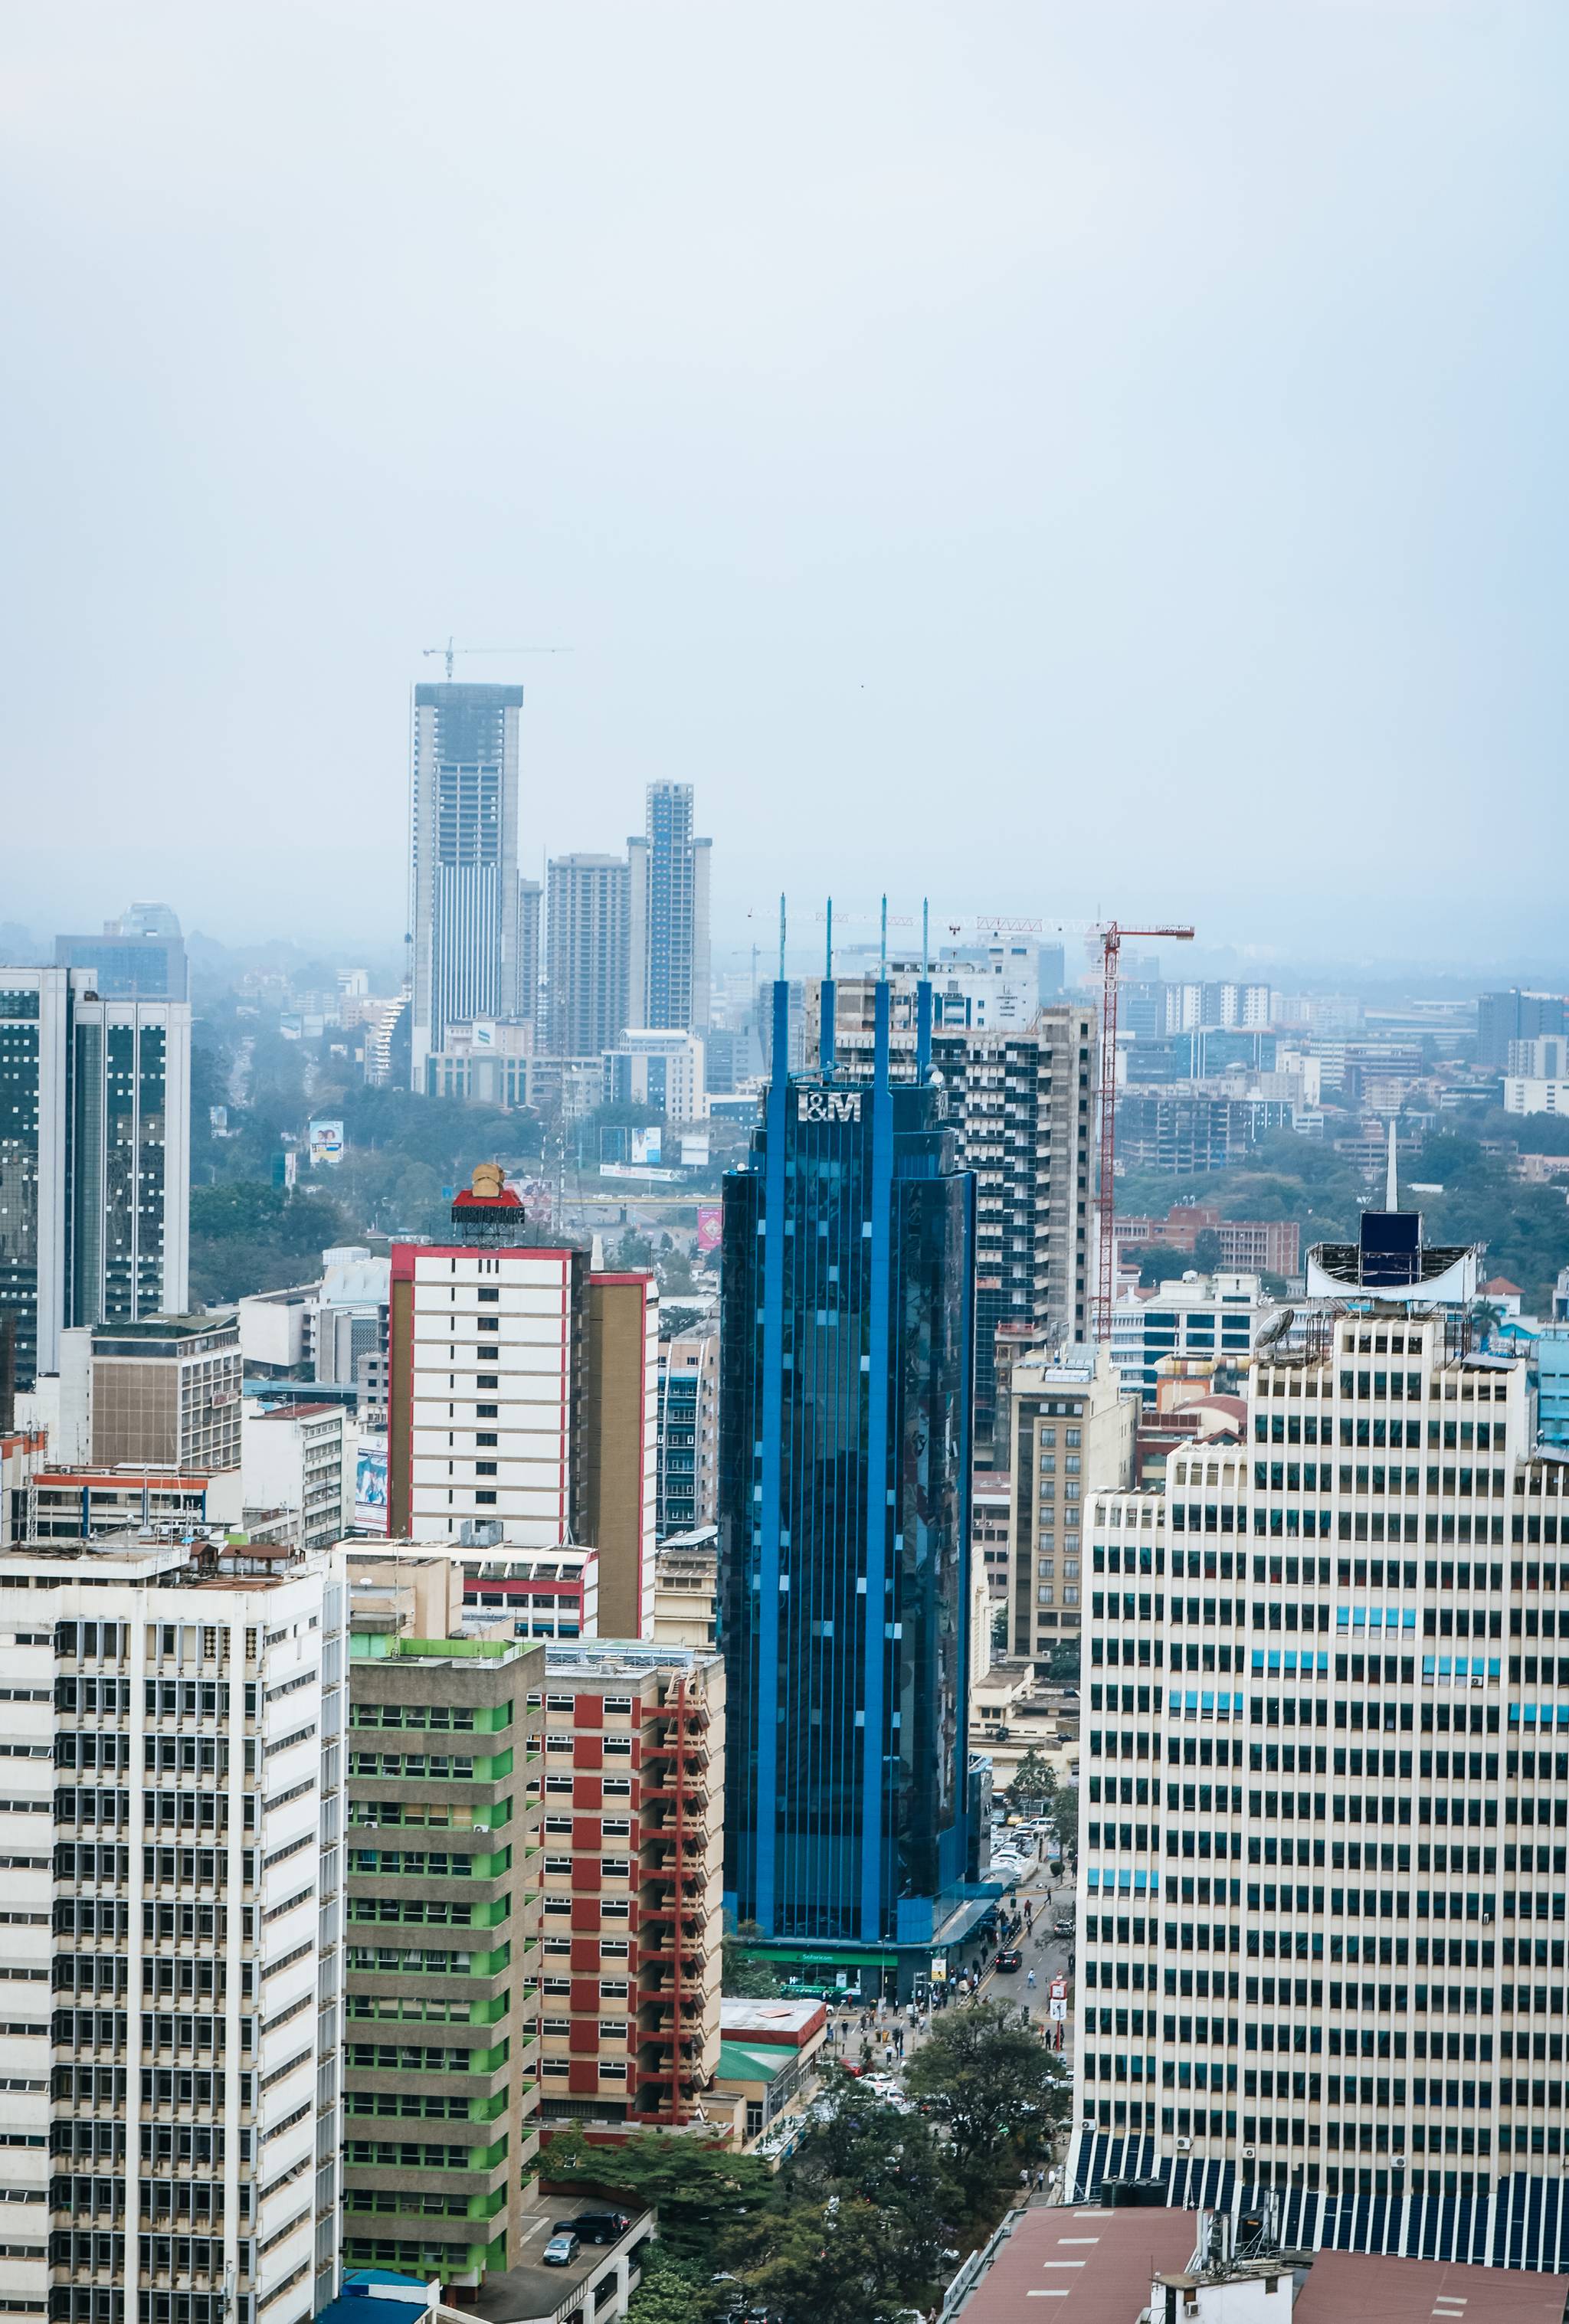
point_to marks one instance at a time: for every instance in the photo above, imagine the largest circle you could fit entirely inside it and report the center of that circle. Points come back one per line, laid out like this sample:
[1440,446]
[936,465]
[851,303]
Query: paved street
[1045,1952]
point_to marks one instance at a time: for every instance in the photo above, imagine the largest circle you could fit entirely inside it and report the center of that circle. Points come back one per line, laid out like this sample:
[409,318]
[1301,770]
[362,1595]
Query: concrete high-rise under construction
[462,837]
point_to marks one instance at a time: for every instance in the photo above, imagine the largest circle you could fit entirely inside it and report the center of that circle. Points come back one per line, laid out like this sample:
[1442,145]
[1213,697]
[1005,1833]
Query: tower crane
[448,652]
[1110,935]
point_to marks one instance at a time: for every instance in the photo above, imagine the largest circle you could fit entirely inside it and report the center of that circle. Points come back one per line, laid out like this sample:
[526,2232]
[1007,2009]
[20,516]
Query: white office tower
[95,1158]
[1322,1894]
[169,1836]
[463,843]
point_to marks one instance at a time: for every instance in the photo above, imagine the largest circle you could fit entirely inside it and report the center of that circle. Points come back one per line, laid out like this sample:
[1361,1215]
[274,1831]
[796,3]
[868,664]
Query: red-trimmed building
[633,1856]
[524,1393]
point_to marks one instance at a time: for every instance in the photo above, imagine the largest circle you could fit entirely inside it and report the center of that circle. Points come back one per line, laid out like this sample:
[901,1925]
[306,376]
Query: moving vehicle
[1009,1960]
[561,2250]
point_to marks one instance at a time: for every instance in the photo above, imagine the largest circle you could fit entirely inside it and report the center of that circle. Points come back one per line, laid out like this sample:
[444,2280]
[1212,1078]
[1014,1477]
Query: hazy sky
[1064,457]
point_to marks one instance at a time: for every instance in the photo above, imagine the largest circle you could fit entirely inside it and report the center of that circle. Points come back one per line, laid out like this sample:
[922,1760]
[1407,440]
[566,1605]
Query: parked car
[595,2226]
[1009,1960]
[561,2250]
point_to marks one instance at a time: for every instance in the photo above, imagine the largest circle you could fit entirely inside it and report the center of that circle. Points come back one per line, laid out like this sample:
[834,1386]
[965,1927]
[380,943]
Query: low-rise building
[292,1457]
[686,1589]
[769,2055]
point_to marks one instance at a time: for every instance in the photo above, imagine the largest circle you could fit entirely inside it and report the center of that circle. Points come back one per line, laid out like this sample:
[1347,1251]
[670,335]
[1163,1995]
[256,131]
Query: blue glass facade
[847,1354]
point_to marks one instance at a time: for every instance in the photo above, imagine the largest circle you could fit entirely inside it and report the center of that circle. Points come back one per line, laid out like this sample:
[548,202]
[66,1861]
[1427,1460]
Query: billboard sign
[324,1142]
[710,1221]
[646,1145]
[369,1485]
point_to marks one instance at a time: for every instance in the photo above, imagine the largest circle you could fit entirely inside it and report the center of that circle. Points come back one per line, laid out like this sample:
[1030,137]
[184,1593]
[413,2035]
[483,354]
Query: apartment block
[172,1847]
[634,1857]
[689,1433]
[293,1461]
[1073,1428]
[1326,1769]
[1207,1318]
[442,1952]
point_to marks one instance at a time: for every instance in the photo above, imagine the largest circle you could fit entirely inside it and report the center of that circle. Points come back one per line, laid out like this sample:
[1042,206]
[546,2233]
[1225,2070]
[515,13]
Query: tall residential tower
[464,860]
[670,915]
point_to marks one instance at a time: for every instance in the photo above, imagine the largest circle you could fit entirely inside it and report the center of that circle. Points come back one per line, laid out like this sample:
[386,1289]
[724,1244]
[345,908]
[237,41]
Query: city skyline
[1179,511]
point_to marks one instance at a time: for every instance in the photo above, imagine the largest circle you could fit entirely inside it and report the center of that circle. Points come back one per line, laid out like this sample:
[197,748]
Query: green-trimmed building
[441,1953]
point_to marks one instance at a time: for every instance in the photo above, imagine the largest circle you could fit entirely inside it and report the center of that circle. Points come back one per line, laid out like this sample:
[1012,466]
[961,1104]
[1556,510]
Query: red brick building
[633,1790]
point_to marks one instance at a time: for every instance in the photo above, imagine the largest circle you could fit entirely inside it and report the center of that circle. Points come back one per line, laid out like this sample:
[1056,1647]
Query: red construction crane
[1111,939]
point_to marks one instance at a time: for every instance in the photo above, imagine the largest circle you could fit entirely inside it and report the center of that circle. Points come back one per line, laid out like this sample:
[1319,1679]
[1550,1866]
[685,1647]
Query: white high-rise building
[95,1158]
[1322,1892]
[463,845]
[172,1844]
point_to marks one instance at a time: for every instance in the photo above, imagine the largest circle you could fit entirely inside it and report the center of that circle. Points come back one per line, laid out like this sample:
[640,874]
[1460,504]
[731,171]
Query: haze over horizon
[1074,461]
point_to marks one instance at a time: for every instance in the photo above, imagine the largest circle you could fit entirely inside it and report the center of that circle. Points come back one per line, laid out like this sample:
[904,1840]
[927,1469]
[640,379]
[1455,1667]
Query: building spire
[1391,1199]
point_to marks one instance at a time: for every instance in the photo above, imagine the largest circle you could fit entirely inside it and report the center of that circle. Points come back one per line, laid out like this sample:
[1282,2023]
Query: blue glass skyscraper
[845,1350]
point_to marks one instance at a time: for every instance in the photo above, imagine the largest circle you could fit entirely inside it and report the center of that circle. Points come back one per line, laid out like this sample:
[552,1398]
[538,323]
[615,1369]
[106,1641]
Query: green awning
[744,2062]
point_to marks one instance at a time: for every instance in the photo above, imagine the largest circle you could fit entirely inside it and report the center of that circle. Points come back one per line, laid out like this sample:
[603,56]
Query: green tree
[985,2074]
[1064,1811]
[1063,1668]
[803,2265]
[858,2146]
[1033,1781]
[701,2188]
[1159,1263]
[673,2291]
[743,1974]
[252,1237]
[1206,1250]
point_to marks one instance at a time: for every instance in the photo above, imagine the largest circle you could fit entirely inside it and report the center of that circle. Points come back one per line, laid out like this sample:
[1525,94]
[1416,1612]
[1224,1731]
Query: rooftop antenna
[828,965]
[781,940]
[926,949]
[1391,1200]
[883,961]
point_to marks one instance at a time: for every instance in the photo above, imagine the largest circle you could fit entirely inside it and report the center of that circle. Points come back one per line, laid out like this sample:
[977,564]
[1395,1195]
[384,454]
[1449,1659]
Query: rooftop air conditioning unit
[1248,2154]
[1184,2145]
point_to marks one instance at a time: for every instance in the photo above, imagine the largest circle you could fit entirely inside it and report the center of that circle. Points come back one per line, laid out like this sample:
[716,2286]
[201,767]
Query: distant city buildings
[668,951]
[588,939]
[95,1143]
[1247,1246]
[140,957]
[1503,1018]
[1185,1135]
[845,1512]
[463,862]
[663,1071]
